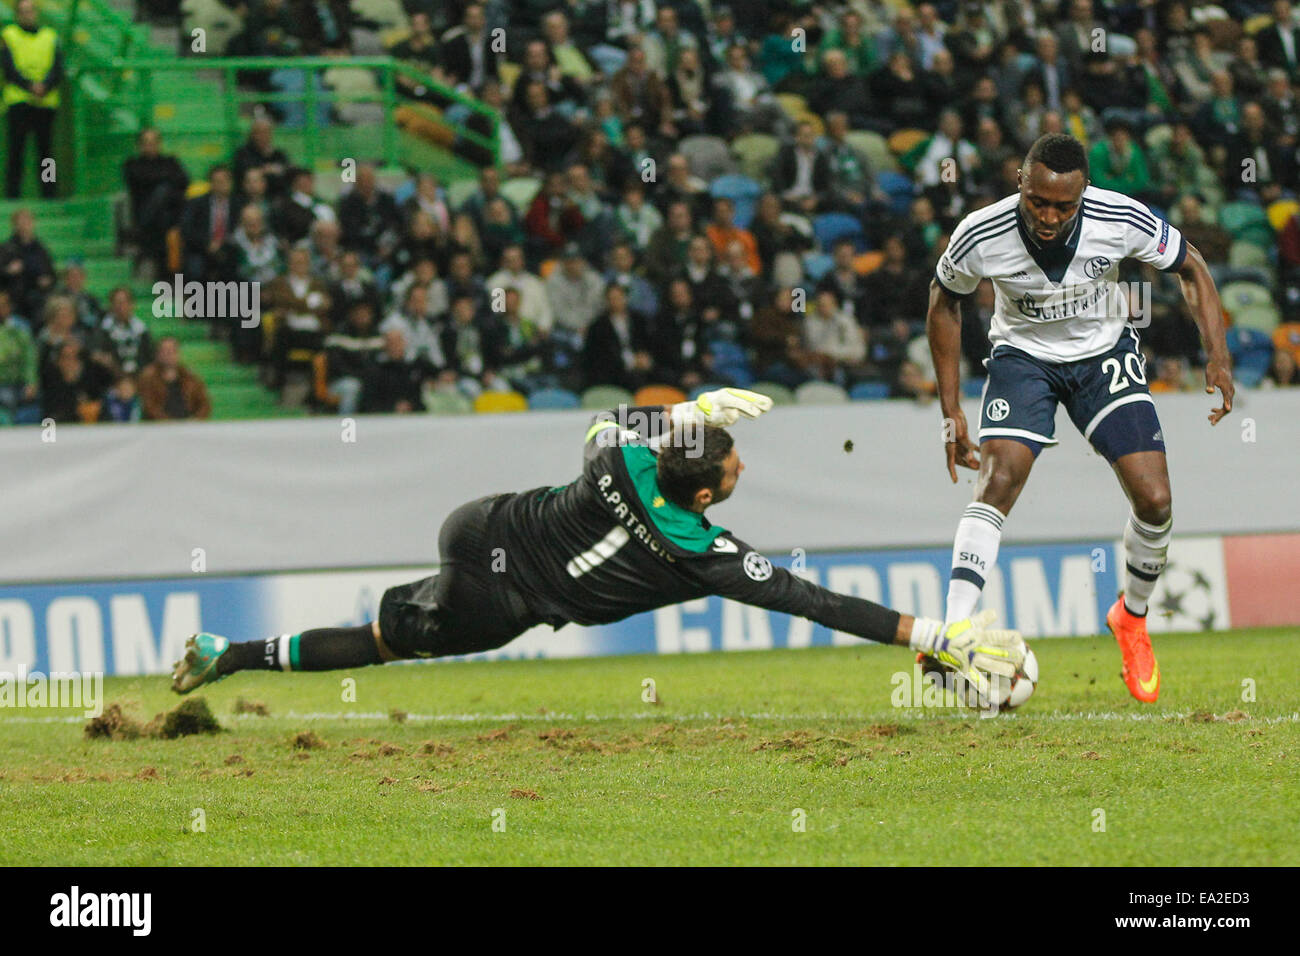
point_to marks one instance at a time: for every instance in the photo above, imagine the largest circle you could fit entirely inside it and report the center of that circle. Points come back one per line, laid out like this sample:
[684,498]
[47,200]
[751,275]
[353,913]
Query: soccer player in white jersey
[1061,334]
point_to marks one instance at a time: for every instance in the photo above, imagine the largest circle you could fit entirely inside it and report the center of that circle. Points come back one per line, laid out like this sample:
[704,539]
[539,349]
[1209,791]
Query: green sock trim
[293,652]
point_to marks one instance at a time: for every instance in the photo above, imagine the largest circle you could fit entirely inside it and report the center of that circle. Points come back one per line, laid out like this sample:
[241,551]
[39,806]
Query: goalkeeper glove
[971,648]
[722,407]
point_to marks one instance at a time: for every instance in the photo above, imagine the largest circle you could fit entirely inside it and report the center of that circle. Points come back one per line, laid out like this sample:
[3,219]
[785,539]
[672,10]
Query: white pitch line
[947,713]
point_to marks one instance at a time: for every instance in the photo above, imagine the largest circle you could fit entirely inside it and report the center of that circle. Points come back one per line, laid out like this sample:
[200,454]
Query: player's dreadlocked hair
[692,459]
[1059,153]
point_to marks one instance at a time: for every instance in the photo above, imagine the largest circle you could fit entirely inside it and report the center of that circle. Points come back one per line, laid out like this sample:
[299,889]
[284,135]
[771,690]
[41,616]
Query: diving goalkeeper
[628,535]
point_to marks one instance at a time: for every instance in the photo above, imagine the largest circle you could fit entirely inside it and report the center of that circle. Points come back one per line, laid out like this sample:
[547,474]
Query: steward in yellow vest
[32,60]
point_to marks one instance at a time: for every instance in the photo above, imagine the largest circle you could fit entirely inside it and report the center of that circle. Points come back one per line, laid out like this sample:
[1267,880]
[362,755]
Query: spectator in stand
[838,90]
[640,95]
[122,401]
[1279,42]
[1211,240]
[353,284]
[1255,150]
[552,219]
[852,187]
[641,295]
[500,229]
[489,188]
[325,243]
[73,286]
[19,367]
[428,341]
[681,185]
[301,303]
[563,92]
[616,348]
[428,199]
[638,219]
[470,351]
[419,50]
[169,390]
[576,293]
[545,133]
[843,278]
[534,300]
[257,253]
[777,233]
[569,57]
[422,239]
[744,284]
[58,324]
[461,280]
[901,95]
[207,225]
[123,334]
[710,291]
[260,152]
[26,265]
[369,219]
[802,173]
[666,253]
[1118,162]
[470,57]
[517,351]
[1171,375]
[294,215]
[155,189]
[777,336]
[835,347]
[691,93]
[351,356]
[746,103]
[395,382]
[723,231]
[72,386]
[1176,165]
[680,349]
[425,274]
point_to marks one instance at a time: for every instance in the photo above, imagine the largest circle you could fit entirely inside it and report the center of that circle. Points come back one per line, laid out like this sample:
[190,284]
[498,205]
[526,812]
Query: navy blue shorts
[1106,396]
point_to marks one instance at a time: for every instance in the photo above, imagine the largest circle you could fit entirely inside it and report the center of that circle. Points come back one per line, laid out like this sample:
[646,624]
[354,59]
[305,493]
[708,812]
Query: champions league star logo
[1186,597]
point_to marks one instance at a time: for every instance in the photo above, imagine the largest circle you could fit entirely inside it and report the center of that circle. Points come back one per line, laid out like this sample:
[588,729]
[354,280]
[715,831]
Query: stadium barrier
[129,538]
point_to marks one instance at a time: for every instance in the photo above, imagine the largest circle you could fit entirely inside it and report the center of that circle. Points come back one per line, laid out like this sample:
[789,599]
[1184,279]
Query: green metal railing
[113,94]
[137,85]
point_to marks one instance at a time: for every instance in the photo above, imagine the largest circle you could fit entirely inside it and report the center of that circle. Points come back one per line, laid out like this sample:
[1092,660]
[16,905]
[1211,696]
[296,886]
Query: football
[1008,693]
[1014,692]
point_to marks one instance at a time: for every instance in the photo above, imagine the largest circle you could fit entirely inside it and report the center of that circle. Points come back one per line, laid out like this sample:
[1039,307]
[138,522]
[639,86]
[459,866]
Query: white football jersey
[1058,304]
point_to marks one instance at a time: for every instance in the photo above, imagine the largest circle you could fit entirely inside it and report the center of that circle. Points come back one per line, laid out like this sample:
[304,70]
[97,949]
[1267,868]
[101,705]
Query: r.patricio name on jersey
[610,544]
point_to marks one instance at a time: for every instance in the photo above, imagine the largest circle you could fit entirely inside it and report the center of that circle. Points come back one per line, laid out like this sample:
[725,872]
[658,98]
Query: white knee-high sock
[974,552]
[1145,549]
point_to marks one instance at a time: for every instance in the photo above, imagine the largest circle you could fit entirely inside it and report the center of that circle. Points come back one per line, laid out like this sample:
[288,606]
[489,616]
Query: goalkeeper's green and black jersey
[609,544]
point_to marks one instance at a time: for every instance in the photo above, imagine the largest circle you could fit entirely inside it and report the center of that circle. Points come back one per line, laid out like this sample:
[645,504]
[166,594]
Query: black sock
[322,649]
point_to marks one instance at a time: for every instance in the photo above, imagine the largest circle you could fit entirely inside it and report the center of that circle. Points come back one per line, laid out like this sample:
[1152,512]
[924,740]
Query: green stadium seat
[1245,254]
[754,153]
[439,401]
[779,394]
[601,397]
[1243,295]
[520,191]
[820,393]
[873,146]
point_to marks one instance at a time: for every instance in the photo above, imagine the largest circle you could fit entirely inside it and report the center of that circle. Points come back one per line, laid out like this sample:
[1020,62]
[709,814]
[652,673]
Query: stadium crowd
[692,194]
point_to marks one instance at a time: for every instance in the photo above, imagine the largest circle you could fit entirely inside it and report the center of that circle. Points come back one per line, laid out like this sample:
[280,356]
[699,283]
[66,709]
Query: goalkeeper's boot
[1141,673]
[199,665]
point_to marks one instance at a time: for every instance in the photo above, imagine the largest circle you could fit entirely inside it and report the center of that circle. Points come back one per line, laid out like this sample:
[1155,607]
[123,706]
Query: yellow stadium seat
[492,402]
[1280,213]
[905,140]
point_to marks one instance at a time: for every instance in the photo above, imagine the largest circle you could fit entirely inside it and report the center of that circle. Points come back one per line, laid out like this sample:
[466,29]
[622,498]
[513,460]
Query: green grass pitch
[562,762]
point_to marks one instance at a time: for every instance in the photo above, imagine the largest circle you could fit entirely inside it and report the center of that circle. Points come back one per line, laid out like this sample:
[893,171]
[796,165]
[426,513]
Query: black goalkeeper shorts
[466,607]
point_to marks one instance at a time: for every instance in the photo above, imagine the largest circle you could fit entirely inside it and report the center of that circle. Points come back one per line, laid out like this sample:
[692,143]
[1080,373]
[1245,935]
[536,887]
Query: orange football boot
[1141,673]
